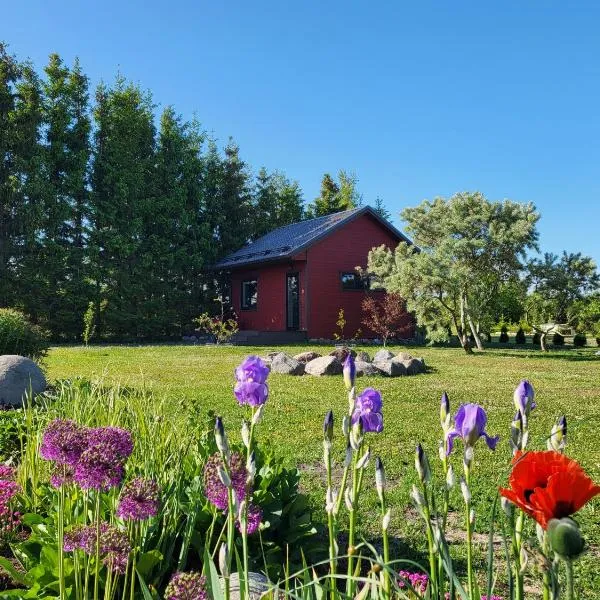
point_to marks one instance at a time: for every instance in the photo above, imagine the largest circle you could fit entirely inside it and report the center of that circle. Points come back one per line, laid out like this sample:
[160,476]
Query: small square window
[249,294]
[353,281]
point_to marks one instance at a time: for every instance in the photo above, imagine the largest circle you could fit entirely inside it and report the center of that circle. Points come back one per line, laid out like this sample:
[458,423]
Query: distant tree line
[107,213]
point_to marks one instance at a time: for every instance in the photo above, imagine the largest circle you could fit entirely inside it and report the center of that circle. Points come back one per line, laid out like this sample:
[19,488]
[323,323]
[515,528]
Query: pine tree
[380,208]
[121,201]
[335,197]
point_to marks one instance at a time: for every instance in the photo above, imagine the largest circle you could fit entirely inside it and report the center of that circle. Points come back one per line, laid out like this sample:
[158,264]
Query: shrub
[579,340]
[520,336]
[387,317]
[558,339]
[220,328]
[504,335]
[11,430]
[19,336]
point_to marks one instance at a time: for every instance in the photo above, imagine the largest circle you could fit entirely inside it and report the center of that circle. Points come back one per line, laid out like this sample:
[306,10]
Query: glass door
[292,301]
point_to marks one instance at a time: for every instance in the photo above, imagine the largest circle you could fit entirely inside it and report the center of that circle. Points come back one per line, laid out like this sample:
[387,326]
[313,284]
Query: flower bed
[94,527]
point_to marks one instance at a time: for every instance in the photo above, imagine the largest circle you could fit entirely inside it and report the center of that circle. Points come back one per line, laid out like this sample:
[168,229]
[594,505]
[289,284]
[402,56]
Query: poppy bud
[328,426]
[379,478]
[224,560]
[565,537]
[422,464]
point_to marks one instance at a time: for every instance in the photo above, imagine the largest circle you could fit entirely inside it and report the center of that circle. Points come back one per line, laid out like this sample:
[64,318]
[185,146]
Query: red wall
[270,312]
[321,294]
[339,252]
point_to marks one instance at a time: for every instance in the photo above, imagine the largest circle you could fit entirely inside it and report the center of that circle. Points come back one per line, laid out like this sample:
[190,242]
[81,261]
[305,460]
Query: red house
[290,284]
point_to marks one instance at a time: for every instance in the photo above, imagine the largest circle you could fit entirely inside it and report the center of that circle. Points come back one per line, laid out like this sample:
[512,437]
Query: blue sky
[419,99]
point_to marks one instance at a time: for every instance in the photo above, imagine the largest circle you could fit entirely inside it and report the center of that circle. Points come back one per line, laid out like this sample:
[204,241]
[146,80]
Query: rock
[403,356]
[341,353]
[19,376]
[413,366]
[391,368]
[268,358]
[286,365]
[363,356]
[305,357]
[383,355]
[366,368]
[324,365]
[258,584]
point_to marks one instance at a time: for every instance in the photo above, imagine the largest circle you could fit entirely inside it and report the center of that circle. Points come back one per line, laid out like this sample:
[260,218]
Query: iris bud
[558,435]
[464,488]
[258,415]
[224,477]
[328,426]
[565,537]
[246,433]
[348,458]
[379,478]
[417,496]
[508,507]
[450,478]
[224,560]
[444,410]
[346,425]
[422,464]
[364,459]
[348,500]
[349,371]
[386,519]
[221,438]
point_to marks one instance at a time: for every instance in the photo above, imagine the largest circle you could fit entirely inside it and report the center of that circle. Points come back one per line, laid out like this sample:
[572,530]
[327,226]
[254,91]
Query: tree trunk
[543,341]
[476,335]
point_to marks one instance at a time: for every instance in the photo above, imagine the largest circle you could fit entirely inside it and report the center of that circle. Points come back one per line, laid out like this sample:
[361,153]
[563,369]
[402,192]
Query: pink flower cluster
[186,586]
[10,521]
[418,581]
[93,458]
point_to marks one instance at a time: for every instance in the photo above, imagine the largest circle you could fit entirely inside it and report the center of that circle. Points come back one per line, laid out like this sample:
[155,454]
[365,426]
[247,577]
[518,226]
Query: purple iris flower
[523,397]
[349,371]
[367,408]
[252,369]
[251,387]
[469,424]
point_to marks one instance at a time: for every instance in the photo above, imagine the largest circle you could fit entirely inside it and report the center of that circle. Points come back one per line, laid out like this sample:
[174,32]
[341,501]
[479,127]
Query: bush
[11,432]
[558,339]
[504,335]
[19,336]
[579,340]
[520,336]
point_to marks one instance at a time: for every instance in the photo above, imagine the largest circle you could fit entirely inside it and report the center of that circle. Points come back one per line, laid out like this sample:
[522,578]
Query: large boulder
[342,352]
[286,365]
[19,376]
[363,356]
[414,366]
[305,357]
[403,356]
[391,368]
[324,365]
[366,368]
[383,355]
[258,584]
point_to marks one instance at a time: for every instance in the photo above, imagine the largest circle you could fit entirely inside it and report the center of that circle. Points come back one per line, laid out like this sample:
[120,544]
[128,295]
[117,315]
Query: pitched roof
[287,241]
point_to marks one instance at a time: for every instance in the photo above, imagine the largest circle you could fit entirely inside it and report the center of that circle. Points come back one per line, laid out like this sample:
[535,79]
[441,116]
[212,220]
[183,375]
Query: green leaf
[147,561]
[10,568]
[212,577]
[145,591]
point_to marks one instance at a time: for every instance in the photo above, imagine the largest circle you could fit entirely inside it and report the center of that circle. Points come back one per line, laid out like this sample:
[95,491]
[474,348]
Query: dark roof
[287,241]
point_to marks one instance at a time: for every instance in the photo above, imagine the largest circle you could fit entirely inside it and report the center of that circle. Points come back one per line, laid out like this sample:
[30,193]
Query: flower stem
[517,543]
[61,536]
[97,565]
[433,573]
[352,527]
[469,536]
[570,581]
[330,523]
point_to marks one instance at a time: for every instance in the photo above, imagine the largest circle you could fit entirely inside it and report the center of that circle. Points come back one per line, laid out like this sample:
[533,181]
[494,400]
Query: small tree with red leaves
[387,317]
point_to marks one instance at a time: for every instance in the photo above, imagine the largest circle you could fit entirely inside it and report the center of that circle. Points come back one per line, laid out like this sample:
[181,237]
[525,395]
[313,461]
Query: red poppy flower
[548,485]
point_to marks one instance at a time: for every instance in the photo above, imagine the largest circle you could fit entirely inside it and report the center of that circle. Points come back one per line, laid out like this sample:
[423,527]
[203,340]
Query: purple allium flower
[215,490]
[63,442]
[523,397]
[186,586]
[254,519]
[469,424]
[139,500]
[99,468]
[8,490]
[62,476]
[115,546]
[349,371]
[367,408]
[418,581]
[74,538]
[249,392]
[7,472]
[118,439]
[252,369]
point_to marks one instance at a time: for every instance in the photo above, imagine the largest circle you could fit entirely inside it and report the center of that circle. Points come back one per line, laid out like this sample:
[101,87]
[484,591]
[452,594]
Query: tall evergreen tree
[121,200]
[380,208]
[335,197]
[64,292]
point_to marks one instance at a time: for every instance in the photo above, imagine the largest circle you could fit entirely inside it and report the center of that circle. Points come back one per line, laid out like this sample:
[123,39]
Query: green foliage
[19,336]
[381,209]
[341,324]
[11,434]
[468,247]
[221,329]
[558,339]
[89,323]
[504,335]
[579,340]
[336,196]
[520,336]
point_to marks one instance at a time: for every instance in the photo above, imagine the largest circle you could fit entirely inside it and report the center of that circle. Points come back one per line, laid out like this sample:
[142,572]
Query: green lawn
[198,379]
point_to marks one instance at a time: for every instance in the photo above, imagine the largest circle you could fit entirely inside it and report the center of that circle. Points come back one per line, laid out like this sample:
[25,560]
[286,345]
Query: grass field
[196,379]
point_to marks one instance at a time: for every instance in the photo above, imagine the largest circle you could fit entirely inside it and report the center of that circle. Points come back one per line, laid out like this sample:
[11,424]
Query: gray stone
[383,355]
[258,584]
[305,357]
[19,376]
[324,365]
[366,368]
[413,366]
[391,368]
[363,356]
[342,352]
[286,365]
[268,358]
[403,356]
